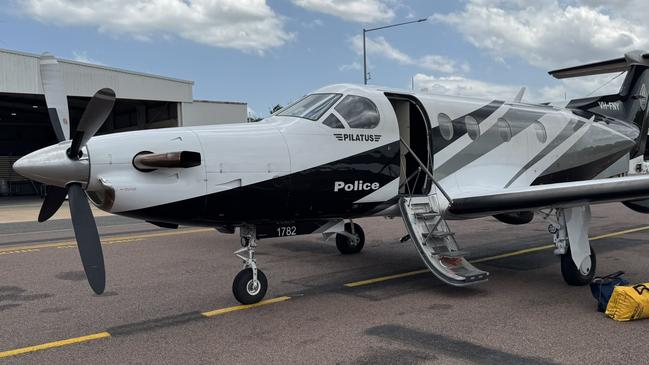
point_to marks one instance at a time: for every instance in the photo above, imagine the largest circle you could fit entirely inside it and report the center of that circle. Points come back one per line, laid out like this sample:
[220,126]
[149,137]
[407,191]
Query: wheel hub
[253,287]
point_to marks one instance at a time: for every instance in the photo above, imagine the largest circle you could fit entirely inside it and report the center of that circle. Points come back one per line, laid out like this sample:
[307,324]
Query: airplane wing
[559,195]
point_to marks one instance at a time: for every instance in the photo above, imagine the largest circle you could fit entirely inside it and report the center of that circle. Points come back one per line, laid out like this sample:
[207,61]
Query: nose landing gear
[250,284]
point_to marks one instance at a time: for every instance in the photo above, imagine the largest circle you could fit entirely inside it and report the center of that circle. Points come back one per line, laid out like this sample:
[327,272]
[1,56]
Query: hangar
[144,101]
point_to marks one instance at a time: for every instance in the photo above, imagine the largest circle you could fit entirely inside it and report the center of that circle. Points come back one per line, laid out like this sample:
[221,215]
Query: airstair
[433,238]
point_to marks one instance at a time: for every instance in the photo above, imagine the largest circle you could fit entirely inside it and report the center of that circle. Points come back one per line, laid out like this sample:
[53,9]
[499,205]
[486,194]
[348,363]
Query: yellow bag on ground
[629,303]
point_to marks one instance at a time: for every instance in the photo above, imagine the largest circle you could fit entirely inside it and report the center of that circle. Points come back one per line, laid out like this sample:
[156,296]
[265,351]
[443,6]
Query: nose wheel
[250,284]
[246,289]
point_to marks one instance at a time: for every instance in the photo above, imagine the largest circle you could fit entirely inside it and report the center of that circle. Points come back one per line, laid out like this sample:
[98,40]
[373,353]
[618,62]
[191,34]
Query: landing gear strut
[570,229]
[352,240]
[250,284]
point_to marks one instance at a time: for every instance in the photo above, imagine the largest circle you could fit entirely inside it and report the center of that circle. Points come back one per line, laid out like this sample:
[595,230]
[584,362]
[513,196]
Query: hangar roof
[19,73]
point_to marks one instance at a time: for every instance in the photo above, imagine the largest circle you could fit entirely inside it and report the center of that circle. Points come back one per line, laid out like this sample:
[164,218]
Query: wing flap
[560,195]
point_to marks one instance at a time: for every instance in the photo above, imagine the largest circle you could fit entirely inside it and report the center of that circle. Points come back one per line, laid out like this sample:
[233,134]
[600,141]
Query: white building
[143,101]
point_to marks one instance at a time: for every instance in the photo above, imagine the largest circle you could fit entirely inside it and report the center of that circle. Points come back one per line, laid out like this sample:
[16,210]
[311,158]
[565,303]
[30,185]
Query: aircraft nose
[51,166]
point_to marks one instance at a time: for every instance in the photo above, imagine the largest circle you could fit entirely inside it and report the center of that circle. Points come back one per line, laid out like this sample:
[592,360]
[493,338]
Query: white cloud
[315,23]
[349,67]
[553,33]
[247,25]
[460,86]
[381,47]
[362,11]
[570,88]
[82,56]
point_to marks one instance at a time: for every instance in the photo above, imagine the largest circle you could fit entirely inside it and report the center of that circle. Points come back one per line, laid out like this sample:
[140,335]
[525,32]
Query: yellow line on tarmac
[217,312]
[490,258]
[514,253]
[385,278]
[109,240]
[100,335]
[49,345]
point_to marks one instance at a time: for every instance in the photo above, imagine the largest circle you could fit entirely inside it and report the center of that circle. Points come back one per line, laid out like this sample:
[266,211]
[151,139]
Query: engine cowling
[640,206]
[515,218]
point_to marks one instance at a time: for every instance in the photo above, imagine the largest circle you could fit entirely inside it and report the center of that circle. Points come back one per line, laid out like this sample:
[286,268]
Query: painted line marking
[386,278]
[107,240]
[489,258]
[221,311]
[217,312]
[50,345]
[106,334]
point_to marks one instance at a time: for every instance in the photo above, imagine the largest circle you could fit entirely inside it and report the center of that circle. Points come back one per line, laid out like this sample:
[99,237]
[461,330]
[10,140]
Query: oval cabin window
[541,134]
[504,129]
[445,126]
[472,127]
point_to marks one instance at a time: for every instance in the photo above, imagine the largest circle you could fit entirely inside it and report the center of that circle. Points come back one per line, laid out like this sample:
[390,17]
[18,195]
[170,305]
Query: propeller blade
[93,117]
[87,236]
[55,98]
[54,197]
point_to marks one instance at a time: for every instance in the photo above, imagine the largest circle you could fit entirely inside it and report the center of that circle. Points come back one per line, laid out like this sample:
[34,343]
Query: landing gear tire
[571,273]
[246,290]
[348,245]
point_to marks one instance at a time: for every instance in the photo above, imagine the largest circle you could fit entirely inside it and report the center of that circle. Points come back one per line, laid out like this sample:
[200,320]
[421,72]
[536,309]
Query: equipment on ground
[629,303]
[602,288]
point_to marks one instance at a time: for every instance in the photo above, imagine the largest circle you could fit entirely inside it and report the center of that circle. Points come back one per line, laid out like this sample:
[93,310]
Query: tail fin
[630,104]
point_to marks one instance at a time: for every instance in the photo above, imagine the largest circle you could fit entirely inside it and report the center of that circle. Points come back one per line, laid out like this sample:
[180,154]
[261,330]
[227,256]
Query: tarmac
[169,299]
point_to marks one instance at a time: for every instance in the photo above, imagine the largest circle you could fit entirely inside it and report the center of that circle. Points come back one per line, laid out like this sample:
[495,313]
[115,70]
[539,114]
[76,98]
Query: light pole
[379,28]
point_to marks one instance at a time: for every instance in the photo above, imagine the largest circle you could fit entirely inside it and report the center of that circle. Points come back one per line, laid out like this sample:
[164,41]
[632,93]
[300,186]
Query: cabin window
[333,122]
[359,112]
[541,134]
[472,127]
[311,107]
[504,129]
[445,126]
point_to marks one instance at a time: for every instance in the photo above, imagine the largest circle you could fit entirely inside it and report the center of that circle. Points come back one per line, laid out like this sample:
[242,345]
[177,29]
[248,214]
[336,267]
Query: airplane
[348,151]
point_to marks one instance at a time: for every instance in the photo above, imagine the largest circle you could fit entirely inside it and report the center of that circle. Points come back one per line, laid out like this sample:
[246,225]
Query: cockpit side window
[332,121]
[359,112]
[311,106]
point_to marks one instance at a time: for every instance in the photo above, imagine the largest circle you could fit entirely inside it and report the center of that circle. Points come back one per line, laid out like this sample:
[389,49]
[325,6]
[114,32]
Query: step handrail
[430,174]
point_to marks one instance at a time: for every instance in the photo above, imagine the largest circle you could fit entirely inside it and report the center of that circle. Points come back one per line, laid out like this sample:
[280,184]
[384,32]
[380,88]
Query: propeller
[54,198]
[85,230]
[83,222]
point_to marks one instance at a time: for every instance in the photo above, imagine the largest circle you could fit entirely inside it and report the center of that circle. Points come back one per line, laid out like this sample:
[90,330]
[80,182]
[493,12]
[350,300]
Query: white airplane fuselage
[290,168]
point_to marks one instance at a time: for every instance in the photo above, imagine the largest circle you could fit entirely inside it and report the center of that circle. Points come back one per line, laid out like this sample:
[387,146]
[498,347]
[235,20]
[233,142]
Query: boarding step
[436,243]
[444,251]
[436,234]
[426,215]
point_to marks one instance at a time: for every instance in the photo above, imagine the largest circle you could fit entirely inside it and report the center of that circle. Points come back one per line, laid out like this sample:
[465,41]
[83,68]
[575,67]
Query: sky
[268,52]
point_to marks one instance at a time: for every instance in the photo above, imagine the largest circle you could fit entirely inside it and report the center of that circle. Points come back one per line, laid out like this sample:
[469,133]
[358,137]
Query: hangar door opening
[414,132]
[25,127]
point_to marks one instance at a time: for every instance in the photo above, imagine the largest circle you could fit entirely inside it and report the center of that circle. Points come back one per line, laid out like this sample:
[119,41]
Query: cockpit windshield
[311,106]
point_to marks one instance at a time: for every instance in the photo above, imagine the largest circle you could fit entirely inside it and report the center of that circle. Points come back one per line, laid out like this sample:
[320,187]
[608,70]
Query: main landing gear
[351,240]
[570,229]
[250,284]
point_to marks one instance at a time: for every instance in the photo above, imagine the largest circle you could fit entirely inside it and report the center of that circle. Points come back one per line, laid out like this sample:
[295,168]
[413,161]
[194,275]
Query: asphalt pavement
[169,299]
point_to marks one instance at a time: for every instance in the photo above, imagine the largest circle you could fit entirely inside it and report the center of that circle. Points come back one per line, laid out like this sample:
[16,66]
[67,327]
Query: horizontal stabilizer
[597,68]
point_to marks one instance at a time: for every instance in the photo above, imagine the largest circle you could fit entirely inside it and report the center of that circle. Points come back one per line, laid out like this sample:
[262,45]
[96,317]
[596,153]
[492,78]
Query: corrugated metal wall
[212,112]
[19,73]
